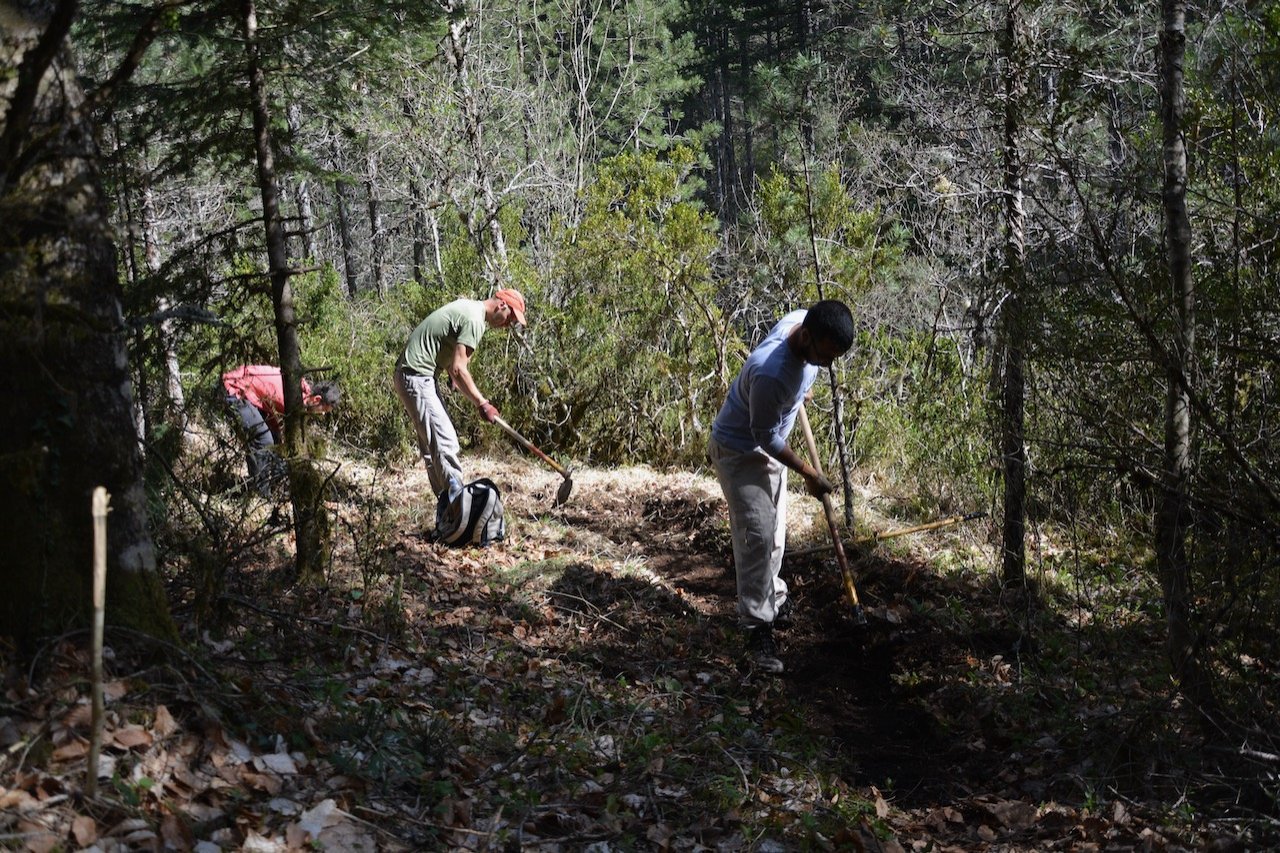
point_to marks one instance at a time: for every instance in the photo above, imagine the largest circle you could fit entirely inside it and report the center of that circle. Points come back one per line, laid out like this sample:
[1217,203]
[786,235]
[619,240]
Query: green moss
[137,600]
[314,529]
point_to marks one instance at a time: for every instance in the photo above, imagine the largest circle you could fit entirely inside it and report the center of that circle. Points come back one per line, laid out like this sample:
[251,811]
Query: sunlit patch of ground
[579,686]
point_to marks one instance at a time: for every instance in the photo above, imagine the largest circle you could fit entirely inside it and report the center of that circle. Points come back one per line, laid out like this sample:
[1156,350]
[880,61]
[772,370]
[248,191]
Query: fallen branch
[1258,755]
[328,623]
[877,537]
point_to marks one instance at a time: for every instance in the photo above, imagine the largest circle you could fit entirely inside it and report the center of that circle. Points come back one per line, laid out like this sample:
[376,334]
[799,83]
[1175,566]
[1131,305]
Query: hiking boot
[761,649]
[786,615]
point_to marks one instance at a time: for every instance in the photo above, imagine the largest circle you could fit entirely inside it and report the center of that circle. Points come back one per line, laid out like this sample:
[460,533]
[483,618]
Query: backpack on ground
[470,515]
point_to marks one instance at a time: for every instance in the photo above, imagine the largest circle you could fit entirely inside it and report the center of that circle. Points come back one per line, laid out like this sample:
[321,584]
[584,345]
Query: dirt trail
[569,686]
[840,673]
[908,703]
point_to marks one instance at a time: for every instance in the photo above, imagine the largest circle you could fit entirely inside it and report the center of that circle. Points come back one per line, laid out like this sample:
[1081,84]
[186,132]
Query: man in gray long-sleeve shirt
[749,449]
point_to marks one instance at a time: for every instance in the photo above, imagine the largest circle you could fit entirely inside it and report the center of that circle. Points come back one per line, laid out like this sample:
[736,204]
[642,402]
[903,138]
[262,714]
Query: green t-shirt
[431,345]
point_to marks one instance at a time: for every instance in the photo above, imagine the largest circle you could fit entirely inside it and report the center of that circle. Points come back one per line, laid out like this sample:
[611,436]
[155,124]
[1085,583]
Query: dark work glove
[490,412]
[818,485]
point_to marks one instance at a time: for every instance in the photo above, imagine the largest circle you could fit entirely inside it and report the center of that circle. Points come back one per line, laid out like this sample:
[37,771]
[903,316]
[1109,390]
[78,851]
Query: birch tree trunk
[67,424]
[311,522]
[456,52]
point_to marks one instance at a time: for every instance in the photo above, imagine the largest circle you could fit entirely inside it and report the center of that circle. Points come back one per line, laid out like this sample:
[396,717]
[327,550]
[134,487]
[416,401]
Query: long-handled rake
[859,617]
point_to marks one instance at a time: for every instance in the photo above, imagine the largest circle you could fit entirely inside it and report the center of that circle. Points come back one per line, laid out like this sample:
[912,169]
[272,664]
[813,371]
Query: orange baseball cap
[514,300]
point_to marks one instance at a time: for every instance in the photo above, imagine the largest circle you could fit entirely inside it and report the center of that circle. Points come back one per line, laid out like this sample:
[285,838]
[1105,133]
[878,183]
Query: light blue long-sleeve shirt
[764,399]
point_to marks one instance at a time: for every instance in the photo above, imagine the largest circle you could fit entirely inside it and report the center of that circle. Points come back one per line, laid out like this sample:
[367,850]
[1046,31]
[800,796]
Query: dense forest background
[1055,222]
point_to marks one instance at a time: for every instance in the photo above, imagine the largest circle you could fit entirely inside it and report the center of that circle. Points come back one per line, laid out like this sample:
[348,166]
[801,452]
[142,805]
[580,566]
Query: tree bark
[345,240]
[306,214]
[172,403]
[494,252]
[67,423]
[1171,517]
[418,224]
[311,521]
[1012,354]
[377,237]
[123,183]
[417,211]
[728,164]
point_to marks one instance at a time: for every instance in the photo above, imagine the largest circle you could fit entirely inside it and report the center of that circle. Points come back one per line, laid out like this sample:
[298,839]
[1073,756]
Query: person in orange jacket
[255,393]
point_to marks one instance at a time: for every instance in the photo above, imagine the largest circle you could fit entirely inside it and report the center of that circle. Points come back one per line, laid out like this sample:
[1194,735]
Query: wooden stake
[100,510]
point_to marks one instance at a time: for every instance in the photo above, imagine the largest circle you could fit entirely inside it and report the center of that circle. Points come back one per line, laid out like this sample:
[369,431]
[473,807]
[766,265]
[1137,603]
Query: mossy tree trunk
[66,425]
[306,486]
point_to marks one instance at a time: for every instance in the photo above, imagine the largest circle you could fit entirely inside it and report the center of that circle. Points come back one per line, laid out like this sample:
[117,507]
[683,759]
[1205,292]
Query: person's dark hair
[831,320]
[327,392]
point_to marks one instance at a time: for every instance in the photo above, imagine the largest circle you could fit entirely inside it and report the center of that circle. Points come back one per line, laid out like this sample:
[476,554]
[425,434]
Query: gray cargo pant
[437,439]
[755,488]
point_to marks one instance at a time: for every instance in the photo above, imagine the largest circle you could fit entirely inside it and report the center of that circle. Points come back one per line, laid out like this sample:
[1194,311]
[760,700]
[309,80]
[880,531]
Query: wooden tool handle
[830,511]
[528,445]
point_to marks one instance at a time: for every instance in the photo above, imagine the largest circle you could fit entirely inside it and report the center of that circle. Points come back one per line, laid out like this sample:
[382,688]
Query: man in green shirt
[444,343]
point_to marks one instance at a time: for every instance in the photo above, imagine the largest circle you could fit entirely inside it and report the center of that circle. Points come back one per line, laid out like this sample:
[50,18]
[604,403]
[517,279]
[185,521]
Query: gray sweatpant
[755,488]
[437,439]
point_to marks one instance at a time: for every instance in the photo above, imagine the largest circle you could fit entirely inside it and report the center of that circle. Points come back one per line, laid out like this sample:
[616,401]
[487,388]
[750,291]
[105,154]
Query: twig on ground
[280,614]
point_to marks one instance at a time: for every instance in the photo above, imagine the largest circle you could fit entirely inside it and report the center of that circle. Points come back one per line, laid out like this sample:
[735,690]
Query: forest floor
[580,686]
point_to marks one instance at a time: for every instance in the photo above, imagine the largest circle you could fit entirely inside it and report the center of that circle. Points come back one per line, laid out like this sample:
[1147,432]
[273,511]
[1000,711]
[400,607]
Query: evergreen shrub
[633,346]
[356,342]
[921,421]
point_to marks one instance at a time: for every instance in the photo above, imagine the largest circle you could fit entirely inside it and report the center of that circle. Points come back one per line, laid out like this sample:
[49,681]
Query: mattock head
[566,487]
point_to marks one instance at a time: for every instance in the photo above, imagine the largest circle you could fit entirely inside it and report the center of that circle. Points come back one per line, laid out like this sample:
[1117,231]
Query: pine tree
[67,425]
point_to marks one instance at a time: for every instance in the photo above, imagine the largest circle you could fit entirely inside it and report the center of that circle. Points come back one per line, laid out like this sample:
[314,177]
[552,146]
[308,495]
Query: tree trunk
[418,223]
[456,49]
[417,210]
[1171,515]
[1013,331]
[345,240]
[306,214]
[728,164]
[436,256]
[311,521]
[123,183]
[377,238]
[155,410]
[67,423]
[172,403]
